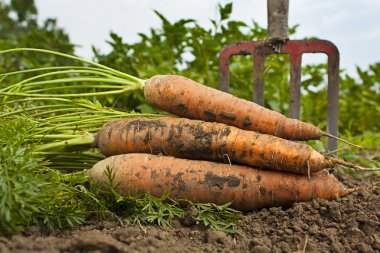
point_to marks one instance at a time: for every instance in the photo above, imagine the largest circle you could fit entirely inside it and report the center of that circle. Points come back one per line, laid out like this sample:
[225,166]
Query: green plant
[222,218]
[30,192]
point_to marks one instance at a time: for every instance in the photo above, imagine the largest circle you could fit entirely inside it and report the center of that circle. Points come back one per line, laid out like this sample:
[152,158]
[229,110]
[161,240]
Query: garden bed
[350,224]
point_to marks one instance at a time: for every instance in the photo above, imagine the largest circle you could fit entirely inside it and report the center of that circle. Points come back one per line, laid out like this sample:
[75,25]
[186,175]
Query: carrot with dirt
[175,94]
[189,99]
[209,182]
[194,139]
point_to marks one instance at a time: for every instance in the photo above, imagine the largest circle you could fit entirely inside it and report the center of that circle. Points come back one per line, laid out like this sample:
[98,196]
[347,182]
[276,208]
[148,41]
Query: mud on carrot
[194,139]
[209,182]
[189,99]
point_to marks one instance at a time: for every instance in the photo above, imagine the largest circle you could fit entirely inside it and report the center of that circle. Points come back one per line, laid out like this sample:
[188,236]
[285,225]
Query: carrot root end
[342,140]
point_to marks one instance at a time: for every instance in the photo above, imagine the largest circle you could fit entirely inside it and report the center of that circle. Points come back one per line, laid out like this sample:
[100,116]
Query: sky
[352,25]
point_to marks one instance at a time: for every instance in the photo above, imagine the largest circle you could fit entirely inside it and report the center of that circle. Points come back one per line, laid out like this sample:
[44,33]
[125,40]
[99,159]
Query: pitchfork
[277,42]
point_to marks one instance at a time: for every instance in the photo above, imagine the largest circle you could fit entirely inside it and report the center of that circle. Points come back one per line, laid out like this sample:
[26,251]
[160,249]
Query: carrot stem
[71,87]
[80,79]
[52,68]
[56,136]
[70,111]
[32,109]
[85,139]
[37,99]
[114,71]
[26,82]
[72,95]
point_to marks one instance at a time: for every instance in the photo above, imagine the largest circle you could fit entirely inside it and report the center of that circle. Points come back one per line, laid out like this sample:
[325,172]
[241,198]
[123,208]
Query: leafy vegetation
[34,189]
[23,30]
[31,193]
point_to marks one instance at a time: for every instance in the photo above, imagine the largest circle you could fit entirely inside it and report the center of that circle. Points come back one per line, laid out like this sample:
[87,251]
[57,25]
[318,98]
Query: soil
[350,224]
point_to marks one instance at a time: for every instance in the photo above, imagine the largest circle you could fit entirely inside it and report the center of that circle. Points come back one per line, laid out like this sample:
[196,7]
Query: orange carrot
[189,99]
[194,139]
[209,182]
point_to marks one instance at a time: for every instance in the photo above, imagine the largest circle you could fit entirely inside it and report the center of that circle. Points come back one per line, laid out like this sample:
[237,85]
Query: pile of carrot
[218,148]
[222,149]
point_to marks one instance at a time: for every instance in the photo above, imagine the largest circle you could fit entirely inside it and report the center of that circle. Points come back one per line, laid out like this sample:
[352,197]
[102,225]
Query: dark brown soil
[351,224]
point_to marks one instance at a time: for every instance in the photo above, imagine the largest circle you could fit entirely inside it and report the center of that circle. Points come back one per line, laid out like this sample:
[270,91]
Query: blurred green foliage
[19,28]
[185,48]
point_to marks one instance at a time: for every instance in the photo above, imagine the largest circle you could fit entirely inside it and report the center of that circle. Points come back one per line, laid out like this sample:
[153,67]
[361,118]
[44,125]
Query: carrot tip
[342,140]
[351,165]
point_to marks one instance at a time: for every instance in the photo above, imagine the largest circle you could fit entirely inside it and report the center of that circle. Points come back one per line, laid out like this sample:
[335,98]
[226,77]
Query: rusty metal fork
[295,48]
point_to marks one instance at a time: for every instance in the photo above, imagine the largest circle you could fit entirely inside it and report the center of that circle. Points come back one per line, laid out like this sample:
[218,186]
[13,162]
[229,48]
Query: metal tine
[295,49]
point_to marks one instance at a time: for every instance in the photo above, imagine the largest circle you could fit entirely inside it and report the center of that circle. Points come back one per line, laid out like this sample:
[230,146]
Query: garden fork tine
[278,43]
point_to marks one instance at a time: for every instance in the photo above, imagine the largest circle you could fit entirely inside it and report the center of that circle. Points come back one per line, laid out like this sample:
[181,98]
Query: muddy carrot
[189,99]
[209,182]
[194,139]
[175,94]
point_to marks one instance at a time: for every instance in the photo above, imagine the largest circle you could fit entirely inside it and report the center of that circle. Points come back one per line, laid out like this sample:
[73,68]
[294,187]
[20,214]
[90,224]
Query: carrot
[209,182]
[194,139]
[189,99]
[175,94]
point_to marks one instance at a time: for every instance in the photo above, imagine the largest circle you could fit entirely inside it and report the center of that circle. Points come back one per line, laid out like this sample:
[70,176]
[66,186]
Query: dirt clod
[260,249]
[217,237]
[189,217]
